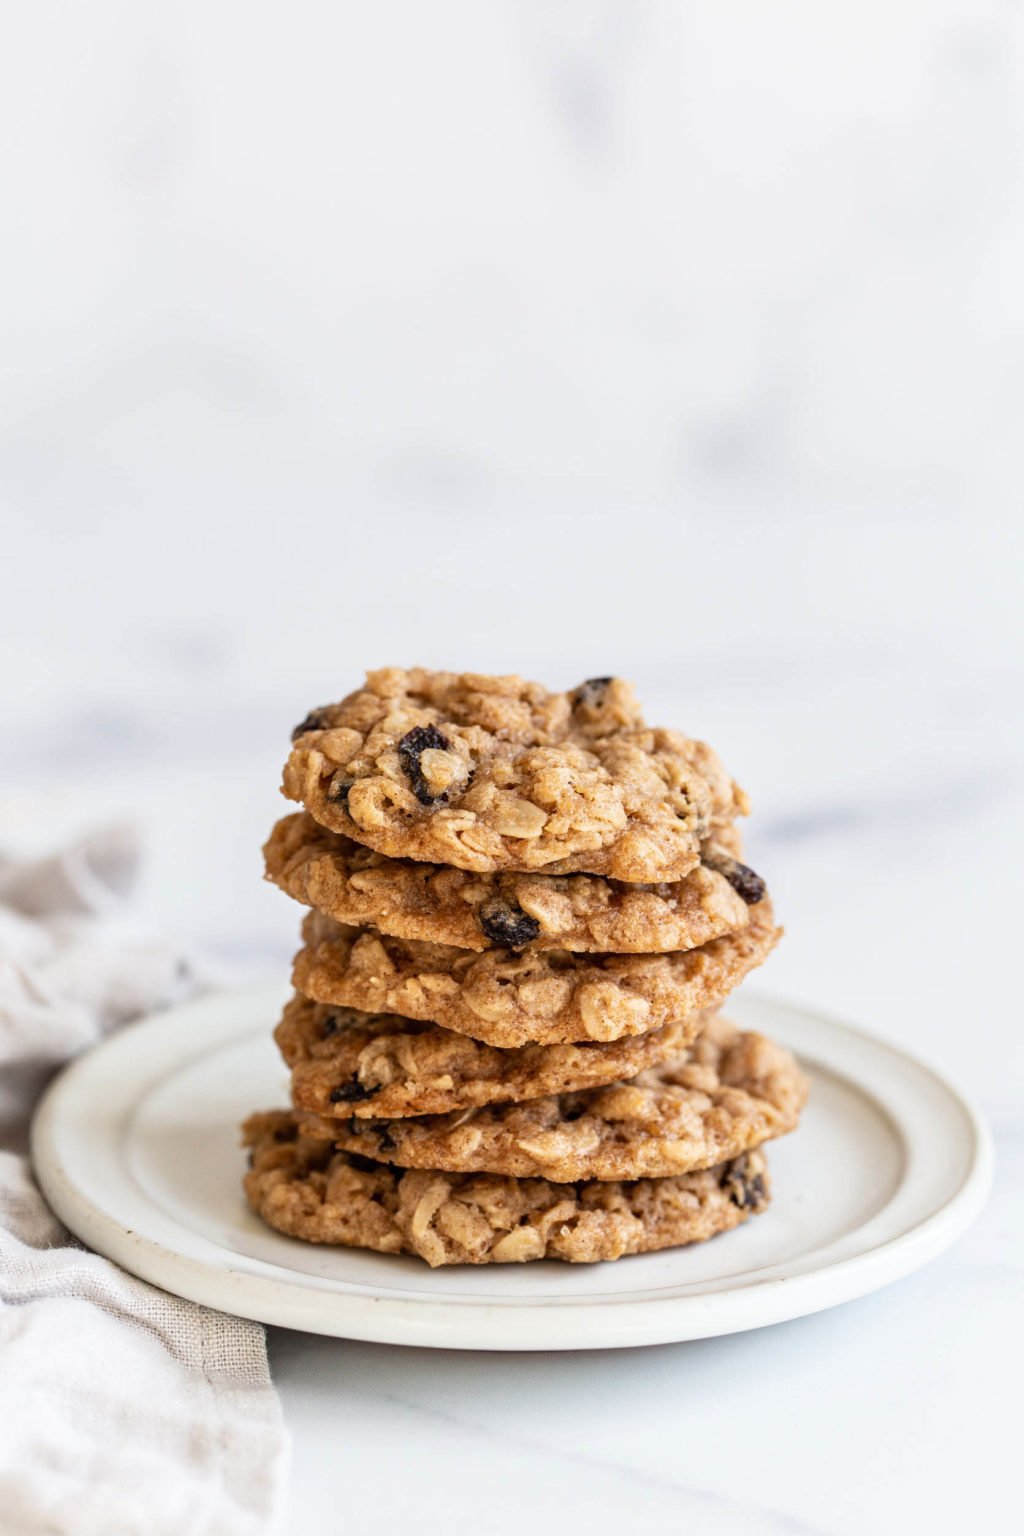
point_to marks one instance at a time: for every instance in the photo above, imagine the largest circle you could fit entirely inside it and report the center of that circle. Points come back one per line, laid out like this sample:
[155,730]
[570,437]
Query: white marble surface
[697,359]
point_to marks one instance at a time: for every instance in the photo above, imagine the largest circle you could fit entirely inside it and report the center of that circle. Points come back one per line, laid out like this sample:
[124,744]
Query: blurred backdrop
[669,338]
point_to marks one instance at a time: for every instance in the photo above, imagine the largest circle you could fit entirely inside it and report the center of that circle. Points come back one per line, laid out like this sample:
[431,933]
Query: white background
[682,340]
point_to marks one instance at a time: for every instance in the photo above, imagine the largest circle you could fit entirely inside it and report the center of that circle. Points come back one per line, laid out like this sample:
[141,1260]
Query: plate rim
[597,1322]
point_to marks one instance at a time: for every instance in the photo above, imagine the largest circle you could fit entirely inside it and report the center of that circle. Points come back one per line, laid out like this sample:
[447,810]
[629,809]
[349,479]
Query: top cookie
[494,773]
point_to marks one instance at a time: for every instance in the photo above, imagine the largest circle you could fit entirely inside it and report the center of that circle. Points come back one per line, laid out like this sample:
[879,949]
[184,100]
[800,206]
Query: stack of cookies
[525,910]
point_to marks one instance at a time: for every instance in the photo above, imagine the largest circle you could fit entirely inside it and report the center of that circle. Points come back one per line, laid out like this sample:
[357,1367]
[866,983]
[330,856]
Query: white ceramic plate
[136,1147]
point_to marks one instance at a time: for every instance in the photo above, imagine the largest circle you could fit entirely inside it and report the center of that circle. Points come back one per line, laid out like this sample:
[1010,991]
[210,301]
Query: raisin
[508,925]
[351,1093]
[316,720]
[330,1026]
[591,692]
[742,879]
[746,1188]
[378,1129]
[410,749]
[362,1164]
[337,792]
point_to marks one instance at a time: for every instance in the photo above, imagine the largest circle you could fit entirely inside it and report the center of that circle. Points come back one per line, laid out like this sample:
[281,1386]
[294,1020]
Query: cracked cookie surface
[731,1091]
[541,996]
[308,1190]
[346,1063]
[583,913]
[496,773]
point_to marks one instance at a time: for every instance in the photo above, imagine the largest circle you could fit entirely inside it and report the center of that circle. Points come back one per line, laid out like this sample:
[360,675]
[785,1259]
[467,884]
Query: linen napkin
[124,1411]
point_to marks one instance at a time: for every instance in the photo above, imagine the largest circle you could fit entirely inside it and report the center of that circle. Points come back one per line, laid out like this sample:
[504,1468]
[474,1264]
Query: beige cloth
[124,1411]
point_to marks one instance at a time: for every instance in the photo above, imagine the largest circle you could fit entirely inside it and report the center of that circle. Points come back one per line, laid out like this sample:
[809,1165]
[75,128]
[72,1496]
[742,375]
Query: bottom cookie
[307,1189]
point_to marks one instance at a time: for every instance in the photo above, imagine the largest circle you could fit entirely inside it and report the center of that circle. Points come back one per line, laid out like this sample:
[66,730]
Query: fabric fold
[125,1409]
